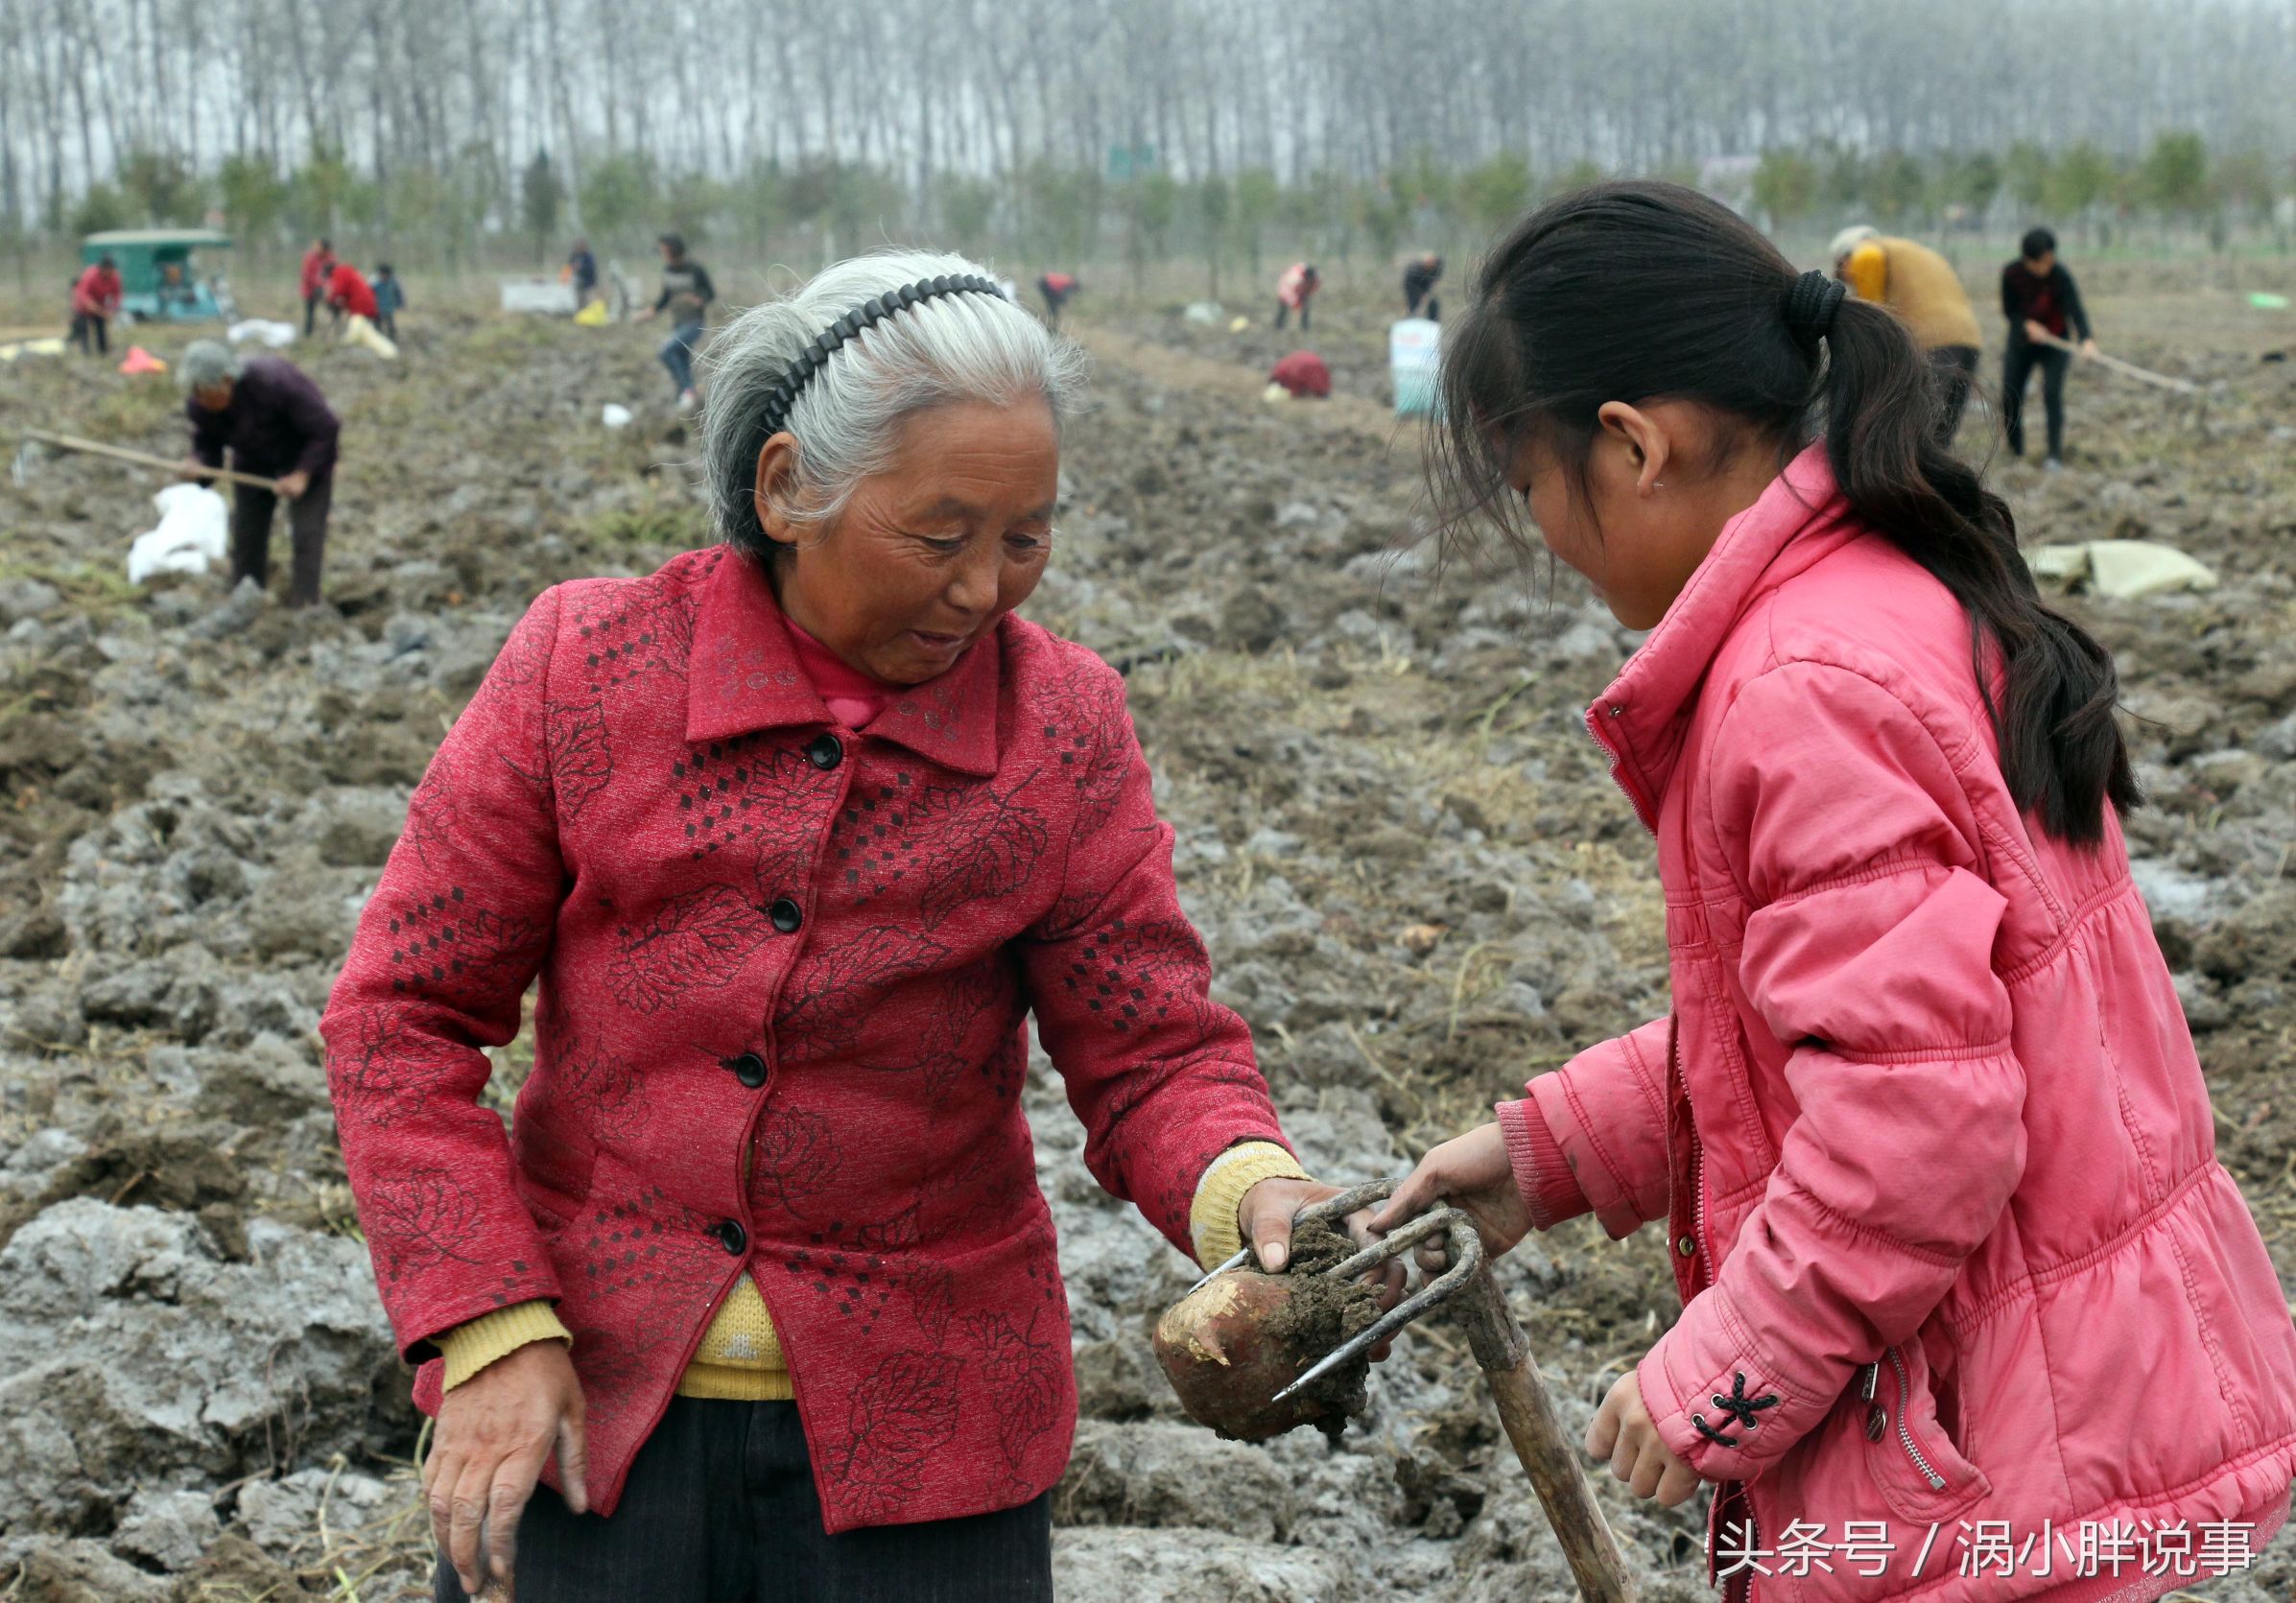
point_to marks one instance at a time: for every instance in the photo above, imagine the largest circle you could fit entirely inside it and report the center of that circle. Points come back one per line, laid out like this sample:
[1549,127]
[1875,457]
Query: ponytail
[2061,751]
[1629,291]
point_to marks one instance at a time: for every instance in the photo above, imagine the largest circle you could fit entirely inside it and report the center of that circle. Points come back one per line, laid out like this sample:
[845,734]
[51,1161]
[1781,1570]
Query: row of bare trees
[291,110]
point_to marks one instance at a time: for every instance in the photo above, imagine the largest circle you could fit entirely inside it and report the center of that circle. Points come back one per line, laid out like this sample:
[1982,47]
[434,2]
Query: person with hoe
[1294,289]
[275,423]
[798,832]
[95,302]
[2044,308]
[686,296]
[1924,290]
[1926,1128]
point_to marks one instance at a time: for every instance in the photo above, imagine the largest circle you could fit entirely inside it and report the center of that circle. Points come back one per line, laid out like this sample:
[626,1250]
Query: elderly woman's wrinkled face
[928,554]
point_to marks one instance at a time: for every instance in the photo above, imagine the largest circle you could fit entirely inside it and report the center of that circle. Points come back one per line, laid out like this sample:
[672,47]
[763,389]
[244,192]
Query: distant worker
[581,271]
[1294,290]
[1055,288]
[1925,292]
[276,424]
[686,296]
[349,295]
[1419,281]
[1303,376]
[317,263]
[95,302]
[390,297]
[2043,304]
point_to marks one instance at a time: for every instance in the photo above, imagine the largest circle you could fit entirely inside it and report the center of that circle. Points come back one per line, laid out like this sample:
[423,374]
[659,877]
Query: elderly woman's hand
[495,1433]
[1266,1216]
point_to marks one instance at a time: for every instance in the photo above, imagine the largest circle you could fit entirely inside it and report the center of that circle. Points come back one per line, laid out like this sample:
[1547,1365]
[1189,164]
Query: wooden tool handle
[71,442]
[1549,1458]
[2144,375]
[1552,1464]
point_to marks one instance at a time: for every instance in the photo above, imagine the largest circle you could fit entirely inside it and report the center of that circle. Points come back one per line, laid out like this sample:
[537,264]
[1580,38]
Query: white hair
[206,364]
[954,347]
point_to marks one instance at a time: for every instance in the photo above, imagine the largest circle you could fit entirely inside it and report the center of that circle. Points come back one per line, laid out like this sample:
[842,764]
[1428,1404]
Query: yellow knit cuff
[471,1347]
[1212,1220]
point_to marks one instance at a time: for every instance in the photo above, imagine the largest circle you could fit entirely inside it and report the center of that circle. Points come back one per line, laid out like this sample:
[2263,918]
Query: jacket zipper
[1698,1154]
[1877,1416]
[1616,763]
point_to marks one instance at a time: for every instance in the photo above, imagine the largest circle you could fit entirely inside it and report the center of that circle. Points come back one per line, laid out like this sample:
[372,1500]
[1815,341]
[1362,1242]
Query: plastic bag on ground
[2121,570]
[141,360]
[1205,314]
[592,316]
[275,336]
[194,531]
[615,416]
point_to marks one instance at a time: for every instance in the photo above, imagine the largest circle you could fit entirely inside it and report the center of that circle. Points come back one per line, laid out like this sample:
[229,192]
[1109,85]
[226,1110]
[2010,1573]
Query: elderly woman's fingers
[506,1497]
[574,1457]
[440,1471]
[465,1513]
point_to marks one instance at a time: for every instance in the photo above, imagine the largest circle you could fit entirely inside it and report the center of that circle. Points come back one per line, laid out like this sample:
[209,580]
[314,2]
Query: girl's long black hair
[1639,291]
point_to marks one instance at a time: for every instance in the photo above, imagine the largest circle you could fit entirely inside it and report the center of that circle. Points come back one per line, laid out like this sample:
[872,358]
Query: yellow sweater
[740,1356]
[1919,285]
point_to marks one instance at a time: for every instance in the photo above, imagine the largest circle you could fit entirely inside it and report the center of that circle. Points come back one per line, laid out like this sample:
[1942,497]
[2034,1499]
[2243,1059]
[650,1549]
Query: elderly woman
[797,832]
[278,426]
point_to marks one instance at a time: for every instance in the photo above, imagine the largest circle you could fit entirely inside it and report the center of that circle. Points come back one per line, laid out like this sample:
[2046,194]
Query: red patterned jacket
[758,932]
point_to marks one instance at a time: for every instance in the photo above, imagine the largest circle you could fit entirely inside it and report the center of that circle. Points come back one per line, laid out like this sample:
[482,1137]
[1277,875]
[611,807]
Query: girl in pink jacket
[1971,1309]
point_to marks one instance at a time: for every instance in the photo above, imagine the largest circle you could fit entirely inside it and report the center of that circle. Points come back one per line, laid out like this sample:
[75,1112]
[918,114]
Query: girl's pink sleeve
[1592,1136]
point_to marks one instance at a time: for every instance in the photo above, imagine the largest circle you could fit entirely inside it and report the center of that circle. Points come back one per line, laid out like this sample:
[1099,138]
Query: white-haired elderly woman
[798,832]
[276,424]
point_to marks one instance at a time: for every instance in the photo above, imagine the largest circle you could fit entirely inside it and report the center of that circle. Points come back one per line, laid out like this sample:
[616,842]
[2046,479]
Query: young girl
[1971,1308]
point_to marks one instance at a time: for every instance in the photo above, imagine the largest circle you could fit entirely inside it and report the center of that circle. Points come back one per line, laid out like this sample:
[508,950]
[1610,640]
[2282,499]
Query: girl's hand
[1472,1175]
[495,1433]
[1622,1432]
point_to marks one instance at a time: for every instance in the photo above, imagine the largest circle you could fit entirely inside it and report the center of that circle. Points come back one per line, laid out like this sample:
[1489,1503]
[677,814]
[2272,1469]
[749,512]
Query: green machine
[159,280]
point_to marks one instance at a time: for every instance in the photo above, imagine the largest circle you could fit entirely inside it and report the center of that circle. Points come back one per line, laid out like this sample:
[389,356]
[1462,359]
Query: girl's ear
[776,483]
[1647,441]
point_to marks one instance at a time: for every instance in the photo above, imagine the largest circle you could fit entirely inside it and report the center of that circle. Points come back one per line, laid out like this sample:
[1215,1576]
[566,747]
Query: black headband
[868,315]
[1810,308]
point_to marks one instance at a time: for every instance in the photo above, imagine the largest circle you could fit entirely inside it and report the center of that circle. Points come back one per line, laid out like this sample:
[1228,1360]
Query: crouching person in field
[798,834]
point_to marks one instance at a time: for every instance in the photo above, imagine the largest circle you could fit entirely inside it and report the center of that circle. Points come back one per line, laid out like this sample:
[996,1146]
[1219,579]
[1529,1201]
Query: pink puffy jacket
[1927,1125]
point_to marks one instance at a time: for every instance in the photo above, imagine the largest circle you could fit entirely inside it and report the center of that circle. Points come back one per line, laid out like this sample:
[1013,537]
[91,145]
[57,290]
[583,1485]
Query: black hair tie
[815,355]
[1810,306]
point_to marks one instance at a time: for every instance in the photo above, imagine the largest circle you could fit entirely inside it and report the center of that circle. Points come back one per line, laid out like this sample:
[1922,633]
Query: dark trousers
[251,537]
[311,310]
[1954,369]
[2017,370]
[1435,307]
[1283,310]
[88,332]
[720,1508]
[387,324]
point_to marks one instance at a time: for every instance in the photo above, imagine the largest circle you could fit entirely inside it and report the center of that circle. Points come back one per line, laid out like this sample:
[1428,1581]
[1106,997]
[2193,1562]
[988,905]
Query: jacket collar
[1641,718]
[745,675]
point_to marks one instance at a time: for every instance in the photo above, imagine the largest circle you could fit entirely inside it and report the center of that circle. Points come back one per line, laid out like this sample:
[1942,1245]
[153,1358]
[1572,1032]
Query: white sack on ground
[194,531]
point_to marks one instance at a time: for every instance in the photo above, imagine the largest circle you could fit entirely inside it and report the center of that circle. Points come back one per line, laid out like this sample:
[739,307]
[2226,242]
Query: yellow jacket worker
[1921,287]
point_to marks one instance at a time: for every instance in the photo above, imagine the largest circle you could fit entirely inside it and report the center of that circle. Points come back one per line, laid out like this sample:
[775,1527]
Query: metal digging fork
[1503,1352]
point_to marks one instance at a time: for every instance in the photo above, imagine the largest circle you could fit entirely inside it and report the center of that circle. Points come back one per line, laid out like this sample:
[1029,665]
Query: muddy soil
[1416,880]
